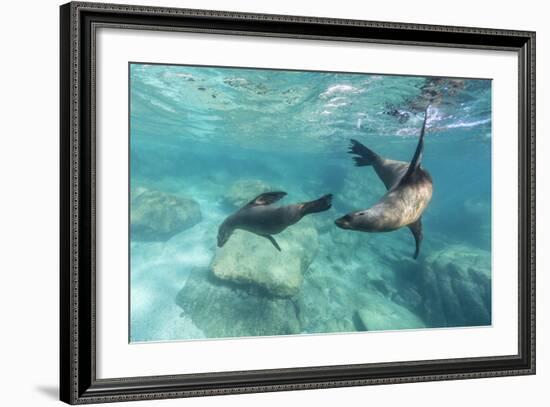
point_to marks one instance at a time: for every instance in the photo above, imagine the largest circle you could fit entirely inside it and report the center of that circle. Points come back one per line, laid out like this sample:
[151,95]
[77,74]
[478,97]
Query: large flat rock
[252,260]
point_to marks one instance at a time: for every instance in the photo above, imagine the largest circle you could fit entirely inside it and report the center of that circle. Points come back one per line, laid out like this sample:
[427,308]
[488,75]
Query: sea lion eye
[360,213]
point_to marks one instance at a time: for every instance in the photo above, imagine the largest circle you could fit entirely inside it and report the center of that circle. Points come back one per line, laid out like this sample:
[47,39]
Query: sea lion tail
[365,156]
[319,205]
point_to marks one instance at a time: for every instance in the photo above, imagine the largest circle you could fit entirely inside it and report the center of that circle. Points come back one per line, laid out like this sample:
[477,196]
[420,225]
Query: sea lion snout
[344,222]
[221,240]
[223,235]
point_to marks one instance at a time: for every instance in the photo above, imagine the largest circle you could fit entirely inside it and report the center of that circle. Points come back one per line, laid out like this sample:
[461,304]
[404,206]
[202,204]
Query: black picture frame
[78,382]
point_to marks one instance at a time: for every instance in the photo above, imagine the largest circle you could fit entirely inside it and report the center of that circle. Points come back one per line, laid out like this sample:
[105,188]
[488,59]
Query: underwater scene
[278,202]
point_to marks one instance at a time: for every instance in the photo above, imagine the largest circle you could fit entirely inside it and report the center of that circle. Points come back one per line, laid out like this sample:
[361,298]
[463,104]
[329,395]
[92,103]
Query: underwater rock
[322,307]
[243,191]
[346,299]
[383,314]
[156,215]
[222,310]
[457,287]
[250,259]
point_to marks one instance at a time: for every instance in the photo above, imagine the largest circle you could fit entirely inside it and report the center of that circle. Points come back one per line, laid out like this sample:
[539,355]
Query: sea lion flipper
[416,229]
[267,198]
[272,240]
[319,205]
[365,156]
[389,171]
[417,158]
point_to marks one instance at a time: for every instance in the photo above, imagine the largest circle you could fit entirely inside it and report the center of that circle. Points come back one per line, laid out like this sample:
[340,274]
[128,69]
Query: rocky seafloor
[324,280]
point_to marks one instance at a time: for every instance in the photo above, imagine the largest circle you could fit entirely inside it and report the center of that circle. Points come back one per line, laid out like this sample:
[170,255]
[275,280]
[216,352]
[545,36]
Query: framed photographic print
[256,203]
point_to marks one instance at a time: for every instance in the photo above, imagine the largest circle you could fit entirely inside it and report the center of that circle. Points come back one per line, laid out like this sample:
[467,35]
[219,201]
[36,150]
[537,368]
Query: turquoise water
[204,141]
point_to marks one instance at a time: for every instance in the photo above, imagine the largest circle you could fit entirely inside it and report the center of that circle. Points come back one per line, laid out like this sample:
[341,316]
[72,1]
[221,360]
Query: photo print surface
[281,202]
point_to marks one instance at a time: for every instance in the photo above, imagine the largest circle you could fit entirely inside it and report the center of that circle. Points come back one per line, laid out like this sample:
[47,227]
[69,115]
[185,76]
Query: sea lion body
[400,206]
[410,189]
[262,218]
[265,220]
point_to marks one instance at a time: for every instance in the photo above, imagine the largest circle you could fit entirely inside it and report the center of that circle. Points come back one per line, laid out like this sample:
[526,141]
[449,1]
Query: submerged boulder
[325,304]
[252,260]
[157,215]
[383,314]
[222,310]
[456,287]
[243,191]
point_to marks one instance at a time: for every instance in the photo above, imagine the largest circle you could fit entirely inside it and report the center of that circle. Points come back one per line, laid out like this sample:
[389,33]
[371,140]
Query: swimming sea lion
[409,193]
[262,218]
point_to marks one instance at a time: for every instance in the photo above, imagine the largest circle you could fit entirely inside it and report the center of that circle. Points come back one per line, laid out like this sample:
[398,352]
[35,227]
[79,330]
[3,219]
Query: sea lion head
[224,233]
[361,220]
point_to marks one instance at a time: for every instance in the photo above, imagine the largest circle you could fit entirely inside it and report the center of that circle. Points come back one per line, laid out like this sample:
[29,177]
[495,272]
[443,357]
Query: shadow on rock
[223,310]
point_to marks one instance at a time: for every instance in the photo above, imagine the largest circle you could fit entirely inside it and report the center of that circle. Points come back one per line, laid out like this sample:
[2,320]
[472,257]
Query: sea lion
[262,218]
[409,193]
